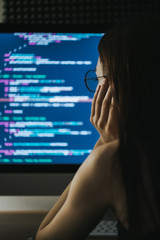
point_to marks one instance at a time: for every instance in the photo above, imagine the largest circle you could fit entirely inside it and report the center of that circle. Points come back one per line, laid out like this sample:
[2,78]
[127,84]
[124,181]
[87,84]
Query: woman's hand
[104,113]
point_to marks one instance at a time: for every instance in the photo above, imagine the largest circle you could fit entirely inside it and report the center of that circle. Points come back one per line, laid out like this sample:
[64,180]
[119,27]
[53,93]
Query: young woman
[122,171]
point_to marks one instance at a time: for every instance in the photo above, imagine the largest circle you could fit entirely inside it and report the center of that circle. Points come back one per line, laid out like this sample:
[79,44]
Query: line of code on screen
[44,104]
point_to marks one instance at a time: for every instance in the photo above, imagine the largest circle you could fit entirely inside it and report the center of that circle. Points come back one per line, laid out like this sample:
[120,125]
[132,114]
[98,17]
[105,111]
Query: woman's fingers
[94,102]
[104,113]
[113,119]
[105,108]
[100,98]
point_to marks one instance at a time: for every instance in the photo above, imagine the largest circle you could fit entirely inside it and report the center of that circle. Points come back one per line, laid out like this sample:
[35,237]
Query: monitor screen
[44,103]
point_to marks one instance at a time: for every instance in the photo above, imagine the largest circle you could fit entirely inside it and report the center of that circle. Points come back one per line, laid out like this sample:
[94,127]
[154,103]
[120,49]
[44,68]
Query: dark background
[75,11]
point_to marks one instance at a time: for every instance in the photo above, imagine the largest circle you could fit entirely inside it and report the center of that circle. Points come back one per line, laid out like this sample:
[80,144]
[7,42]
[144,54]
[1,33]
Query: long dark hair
[130,52]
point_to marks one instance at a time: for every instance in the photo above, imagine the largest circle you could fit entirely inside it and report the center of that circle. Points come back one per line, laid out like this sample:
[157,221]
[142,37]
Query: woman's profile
[123,170]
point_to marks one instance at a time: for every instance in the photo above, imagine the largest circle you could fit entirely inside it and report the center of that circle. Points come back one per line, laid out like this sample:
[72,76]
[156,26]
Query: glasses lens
[91,80]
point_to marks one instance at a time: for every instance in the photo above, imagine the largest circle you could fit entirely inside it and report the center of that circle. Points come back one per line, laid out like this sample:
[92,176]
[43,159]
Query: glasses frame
[86,79]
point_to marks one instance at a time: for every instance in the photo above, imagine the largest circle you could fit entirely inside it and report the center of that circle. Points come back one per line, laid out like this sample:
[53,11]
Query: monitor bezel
[75,28]
[59,28]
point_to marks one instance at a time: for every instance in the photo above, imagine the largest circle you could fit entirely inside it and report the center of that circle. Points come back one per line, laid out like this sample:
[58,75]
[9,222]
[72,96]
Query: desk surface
[20,225]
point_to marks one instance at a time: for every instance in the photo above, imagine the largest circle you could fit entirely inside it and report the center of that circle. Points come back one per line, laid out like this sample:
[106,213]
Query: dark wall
[76,11]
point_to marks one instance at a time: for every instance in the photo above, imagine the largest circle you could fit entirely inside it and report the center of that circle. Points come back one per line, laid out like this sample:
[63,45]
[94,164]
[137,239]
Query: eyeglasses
[91,80]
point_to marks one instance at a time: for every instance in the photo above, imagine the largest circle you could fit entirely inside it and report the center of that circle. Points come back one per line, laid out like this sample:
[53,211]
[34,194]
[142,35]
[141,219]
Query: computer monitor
[45,132]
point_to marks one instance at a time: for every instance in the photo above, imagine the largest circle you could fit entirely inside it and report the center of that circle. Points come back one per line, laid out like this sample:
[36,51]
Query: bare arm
[55,209]
[83,203]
